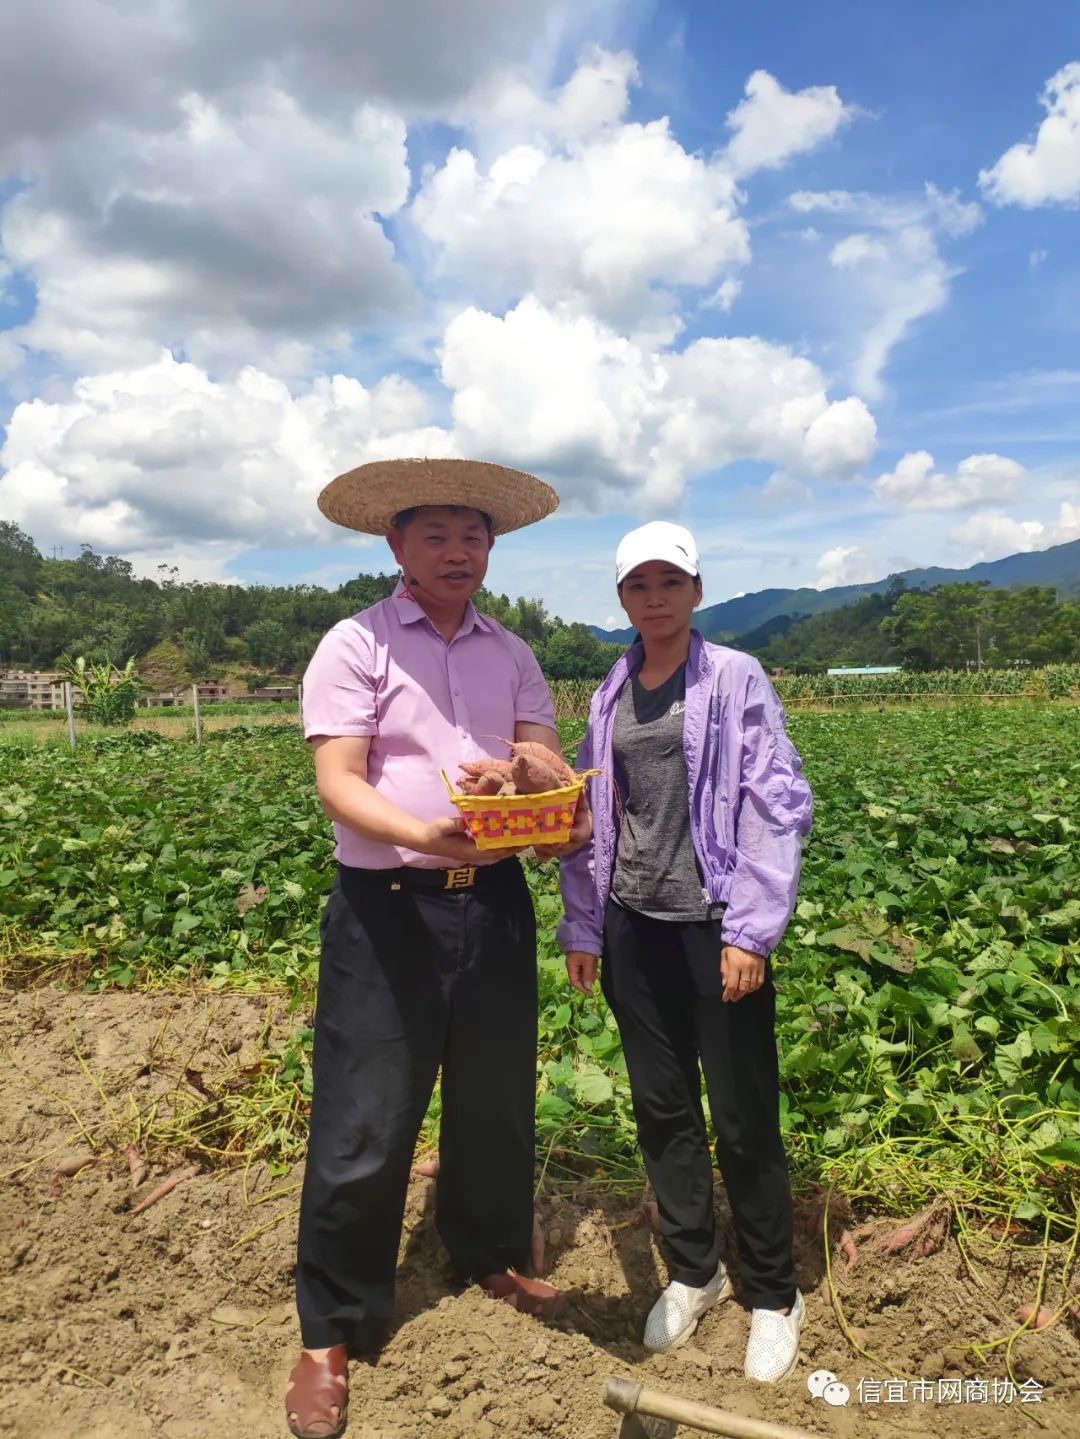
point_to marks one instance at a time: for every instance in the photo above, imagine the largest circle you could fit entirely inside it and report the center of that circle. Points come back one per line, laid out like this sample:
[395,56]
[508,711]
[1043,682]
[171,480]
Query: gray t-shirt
[656,869]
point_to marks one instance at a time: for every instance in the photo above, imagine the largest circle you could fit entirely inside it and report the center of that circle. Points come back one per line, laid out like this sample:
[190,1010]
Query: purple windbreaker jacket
[750,804]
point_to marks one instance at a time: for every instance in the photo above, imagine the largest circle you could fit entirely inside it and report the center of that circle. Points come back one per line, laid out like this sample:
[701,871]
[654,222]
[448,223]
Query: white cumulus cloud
[1045,171]
[207,205]
[990,536]
[844,565]
[147,457]
[236,228]
[892,267]
[511,110]
[724,296]
[559,196]
[772,124]
[583,210]
[853,249]
[215,179]
[160,457]
[69,65]
[979,479]
[611,418]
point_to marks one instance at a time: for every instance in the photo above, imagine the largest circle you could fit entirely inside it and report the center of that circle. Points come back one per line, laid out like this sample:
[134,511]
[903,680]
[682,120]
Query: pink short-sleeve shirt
[427,704]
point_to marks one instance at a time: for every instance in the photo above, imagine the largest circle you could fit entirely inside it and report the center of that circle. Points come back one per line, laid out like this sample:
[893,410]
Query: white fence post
[198,719]
[300,702]
[69,705]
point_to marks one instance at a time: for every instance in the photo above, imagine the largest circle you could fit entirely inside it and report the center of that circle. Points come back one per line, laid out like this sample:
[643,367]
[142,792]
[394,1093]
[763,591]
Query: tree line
[95,606]
[955,626]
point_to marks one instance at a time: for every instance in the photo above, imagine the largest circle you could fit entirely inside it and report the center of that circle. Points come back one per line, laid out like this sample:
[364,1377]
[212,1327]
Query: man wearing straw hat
[428,945]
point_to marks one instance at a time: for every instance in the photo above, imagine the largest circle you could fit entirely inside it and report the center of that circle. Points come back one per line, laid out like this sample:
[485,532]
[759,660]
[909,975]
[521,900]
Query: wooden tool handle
[630,1398]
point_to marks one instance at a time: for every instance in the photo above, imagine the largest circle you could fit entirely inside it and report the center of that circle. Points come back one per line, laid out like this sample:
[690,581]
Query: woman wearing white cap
[684,890]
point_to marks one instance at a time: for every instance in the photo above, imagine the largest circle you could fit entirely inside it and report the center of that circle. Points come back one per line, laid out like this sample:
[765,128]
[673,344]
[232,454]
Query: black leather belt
[466,877]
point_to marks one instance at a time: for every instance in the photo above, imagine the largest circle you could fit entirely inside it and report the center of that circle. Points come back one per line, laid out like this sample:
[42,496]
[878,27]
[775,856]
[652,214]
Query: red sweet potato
[534,775]
[1036,1319]
[68,1168]
[137,1166]
[491,782]
[166,1187]
[538,1247]
[541,752]
[533,769]
[924,1234]
[487,781]
[474,768]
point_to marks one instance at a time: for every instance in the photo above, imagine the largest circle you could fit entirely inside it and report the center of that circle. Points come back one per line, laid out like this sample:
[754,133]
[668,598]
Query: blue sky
[806,278]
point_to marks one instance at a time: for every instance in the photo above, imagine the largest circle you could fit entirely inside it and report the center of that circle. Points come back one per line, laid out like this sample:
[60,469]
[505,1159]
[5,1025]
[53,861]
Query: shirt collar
[410,613]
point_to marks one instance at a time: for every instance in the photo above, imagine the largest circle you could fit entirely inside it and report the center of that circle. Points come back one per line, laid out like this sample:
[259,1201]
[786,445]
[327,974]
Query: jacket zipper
[699,786]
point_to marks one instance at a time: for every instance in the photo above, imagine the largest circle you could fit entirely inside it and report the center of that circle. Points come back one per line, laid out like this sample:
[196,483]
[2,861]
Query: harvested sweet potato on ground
[810,1220]
[1033,1318]
[924,1234]
[69,1167]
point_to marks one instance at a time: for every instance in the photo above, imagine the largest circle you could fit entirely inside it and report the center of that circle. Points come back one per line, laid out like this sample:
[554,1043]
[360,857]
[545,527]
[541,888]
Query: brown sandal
[529,1296]
[318,1387]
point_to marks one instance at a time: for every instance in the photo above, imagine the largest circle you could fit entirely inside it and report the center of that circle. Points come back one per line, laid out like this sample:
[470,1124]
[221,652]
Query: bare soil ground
[178,1323]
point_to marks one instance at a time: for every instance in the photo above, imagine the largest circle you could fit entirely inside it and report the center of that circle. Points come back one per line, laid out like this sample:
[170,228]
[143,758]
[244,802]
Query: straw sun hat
[369,497]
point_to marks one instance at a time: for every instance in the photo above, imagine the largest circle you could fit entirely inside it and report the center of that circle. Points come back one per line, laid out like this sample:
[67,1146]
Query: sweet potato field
[159,913]
[928,987]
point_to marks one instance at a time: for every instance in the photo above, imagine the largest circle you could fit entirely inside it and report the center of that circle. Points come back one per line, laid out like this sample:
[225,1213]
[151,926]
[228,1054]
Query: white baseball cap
[658,540]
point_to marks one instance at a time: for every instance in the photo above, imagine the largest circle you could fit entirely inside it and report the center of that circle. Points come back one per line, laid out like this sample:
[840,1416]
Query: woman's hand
[581,970]
[580,835]
[741,970]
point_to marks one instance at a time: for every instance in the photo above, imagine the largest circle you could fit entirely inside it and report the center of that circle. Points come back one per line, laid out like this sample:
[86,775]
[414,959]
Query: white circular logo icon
[836,1394]
[819,1380]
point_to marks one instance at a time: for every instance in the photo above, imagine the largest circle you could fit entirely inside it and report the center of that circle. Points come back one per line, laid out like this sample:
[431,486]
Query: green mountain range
[1058,566]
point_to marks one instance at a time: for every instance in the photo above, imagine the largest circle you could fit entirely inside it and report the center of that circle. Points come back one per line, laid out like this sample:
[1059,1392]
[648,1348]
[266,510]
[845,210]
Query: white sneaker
[772,1350]
[674,1316]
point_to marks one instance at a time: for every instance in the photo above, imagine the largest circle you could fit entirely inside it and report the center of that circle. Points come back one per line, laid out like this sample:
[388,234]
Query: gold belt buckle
[461,878]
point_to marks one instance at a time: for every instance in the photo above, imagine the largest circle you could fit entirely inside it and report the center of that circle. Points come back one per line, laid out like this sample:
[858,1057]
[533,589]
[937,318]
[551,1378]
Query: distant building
[181,695]
[865,670]
[44,690]
[14,694]
[32,689]
[269,692]
[163,699]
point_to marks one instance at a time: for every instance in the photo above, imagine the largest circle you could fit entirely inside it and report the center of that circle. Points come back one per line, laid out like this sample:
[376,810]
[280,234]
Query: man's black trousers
[413,979]
[662,981]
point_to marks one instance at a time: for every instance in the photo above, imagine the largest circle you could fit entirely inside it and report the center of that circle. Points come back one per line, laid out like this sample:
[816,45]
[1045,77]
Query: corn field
[1053,682]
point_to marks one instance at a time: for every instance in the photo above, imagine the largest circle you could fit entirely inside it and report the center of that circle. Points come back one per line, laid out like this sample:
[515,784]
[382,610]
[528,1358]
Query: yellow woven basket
[515,821]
